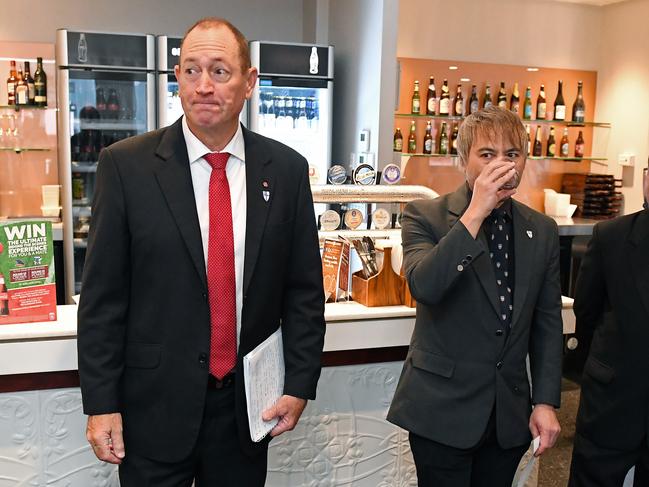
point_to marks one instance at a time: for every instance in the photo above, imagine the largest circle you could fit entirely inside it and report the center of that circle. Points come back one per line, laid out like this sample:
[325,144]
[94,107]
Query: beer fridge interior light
[292,102]
[169,107]
[105,92]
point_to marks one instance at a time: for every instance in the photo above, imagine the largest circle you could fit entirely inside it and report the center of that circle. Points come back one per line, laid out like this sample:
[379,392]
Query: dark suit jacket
[612,303]
[144,326]
[461,362]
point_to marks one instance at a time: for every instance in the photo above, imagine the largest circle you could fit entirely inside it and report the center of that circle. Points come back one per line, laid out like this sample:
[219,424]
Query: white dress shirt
[235,171]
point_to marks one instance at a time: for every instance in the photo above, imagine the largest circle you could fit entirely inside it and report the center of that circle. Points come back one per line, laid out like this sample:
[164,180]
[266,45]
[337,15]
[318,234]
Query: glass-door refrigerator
[168,55]
[106,93]
[293,101]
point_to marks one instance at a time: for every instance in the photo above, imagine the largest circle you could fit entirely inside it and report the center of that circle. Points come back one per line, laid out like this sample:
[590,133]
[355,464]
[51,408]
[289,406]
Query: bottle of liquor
[412,138]
[415,105]
[541,105]
[11,84]
[527,104]
[579,107]
[30,83]
[458,106]
[40,84]
[397,144]
[579,145]
[514,100]
[444,100]
[428,139]
[454,140]
[474,104]
[551,149]
[22,90]
[100,100]
[529,140]
[112,106]
[502,96]
[559,104]
[564,144]
[443,140]
[538,145]
[486,101]
[431,98]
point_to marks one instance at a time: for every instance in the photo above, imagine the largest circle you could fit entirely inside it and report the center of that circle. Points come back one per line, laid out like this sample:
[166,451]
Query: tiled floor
[555,464]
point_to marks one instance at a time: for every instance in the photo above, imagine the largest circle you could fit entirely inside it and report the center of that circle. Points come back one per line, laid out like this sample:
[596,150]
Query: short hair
[207,22]
[493,122]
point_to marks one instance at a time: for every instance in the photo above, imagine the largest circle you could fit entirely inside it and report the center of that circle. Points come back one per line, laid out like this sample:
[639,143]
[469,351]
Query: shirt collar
[196,149]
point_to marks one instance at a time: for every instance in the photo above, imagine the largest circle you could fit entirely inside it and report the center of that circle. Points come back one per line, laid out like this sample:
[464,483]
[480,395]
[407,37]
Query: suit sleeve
[303,325]
[590,291]
[432,265]
[546,336]
[104,297]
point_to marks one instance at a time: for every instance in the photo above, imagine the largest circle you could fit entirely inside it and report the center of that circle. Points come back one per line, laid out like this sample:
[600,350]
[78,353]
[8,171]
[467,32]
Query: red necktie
[220,270]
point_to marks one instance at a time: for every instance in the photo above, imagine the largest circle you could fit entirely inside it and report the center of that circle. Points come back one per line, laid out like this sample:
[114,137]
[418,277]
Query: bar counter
[341,439]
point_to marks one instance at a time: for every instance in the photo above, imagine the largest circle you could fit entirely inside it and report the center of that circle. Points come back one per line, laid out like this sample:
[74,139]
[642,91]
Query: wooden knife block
[383,289]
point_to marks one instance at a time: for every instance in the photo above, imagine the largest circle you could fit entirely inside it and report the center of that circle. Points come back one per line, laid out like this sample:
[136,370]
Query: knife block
[383,289]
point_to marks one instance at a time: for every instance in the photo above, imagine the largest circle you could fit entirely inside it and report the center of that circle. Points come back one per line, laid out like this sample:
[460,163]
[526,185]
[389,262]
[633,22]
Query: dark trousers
[216,460]
[595,466]
[484,465]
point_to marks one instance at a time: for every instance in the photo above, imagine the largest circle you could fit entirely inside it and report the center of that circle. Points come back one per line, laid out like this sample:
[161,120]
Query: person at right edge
[612,304]
[484,270]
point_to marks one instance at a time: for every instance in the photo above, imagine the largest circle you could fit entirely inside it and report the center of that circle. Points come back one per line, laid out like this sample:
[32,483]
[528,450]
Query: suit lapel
[525,238]
[175,180]
[259,185]
[639,255]
[457,205]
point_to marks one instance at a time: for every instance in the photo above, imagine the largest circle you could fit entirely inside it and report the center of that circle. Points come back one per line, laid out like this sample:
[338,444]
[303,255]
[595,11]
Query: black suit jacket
[461,362]
[144,326]
[612,306]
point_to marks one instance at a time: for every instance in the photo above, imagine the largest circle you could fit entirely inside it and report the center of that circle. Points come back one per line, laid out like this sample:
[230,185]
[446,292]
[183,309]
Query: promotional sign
[335,269]
[27,284]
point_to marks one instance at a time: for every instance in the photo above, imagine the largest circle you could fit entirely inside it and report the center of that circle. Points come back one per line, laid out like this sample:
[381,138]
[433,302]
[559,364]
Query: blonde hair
[242,42]
[493,122]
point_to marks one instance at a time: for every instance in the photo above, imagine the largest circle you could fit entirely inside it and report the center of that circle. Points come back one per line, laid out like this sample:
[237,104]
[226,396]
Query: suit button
[499,365]
[499,333]
[469,258]
[202,358]
[460,267]
[516,389]
[205,296]
[465,262]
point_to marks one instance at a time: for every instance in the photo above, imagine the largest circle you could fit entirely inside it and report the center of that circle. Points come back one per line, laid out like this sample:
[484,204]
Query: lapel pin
[529,234]
[266,195]
[264,183]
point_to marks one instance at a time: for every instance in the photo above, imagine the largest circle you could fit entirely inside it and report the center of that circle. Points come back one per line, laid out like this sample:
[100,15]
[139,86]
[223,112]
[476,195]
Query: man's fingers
[118,443]
[269,413]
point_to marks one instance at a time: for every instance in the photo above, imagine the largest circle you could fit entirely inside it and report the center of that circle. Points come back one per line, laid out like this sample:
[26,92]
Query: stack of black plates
[594,194]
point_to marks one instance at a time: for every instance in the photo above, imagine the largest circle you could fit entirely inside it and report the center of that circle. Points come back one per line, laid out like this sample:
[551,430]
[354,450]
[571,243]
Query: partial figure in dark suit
[203,242]
[612,302]
[484,270]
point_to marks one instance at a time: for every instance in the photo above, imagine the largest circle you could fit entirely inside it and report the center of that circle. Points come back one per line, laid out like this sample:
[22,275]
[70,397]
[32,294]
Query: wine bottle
[579,107]
[559,104]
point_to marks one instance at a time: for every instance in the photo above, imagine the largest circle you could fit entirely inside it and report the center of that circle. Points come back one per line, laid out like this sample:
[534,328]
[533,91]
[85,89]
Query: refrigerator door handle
[150,102]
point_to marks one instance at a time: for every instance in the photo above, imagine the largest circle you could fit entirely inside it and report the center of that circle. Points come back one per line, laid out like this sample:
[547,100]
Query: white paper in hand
[263,373]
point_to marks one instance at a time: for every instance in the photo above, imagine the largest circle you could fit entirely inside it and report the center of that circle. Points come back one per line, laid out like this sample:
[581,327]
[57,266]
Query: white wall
[358,29]
[622,94]
[534,32]
[37,21]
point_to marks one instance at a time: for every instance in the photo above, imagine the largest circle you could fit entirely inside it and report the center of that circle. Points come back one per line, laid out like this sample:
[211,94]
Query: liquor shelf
[566,123]
[18,150]
[24,107]
[536,158]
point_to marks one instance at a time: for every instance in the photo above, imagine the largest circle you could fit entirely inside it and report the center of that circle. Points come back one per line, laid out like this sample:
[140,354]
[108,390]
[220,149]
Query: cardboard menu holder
[335,269]
[383,289]
[27,283]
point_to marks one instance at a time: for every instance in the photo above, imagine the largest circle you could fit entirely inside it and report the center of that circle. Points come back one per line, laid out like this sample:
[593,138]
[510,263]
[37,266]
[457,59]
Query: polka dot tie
[220,270]
[499,251]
